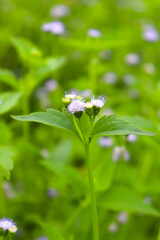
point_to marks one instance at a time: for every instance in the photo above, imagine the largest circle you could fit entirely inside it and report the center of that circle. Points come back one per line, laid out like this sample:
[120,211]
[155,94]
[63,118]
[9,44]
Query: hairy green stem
[92,196]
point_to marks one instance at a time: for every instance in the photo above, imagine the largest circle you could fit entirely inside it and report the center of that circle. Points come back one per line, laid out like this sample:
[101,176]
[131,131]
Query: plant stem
[92,196]
[25,112]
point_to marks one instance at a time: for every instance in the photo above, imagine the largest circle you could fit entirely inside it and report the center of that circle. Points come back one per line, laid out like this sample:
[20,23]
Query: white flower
[51,85]
[99,103]
[132,59]
[122,217]
[70,96]
[116,155]
[129,79]
[113,228]
[149,68]
[76,106]
[55,27]
[95,33]
[110,78]
[8,224]
[126,156]
[132,138]
[13,229]
[0,101]
[60,10]
[105,142]
[150,33]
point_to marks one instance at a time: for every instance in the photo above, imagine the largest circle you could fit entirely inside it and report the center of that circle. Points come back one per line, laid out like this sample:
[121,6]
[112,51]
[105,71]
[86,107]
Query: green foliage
[6,163]
[8,101]
[8,77]
[52,118]
[119,198]
[110,125]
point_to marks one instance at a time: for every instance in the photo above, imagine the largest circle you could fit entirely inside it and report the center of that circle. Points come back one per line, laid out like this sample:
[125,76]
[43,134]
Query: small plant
[7,228]
[71,118]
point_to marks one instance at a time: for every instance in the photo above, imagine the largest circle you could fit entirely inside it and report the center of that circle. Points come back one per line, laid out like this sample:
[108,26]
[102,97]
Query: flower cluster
[76,105]
[8,224]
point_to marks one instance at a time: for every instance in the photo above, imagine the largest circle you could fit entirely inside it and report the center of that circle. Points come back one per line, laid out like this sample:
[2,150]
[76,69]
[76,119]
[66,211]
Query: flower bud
[89,109]
[66,101]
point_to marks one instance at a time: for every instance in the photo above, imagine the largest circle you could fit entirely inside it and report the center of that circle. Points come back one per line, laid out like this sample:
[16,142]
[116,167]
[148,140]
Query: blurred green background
[109,48]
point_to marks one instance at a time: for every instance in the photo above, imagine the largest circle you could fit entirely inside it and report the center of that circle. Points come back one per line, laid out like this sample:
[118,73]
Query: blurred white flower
[0,101]
[116,154]
[8,190]
[55,27]
[149,68]
[8,224]
[122,217]
[126,156]
[148,200]
[132,59]
[120,151]
[105,54]
[132,138]
[51,85]
[95,33]
[128,79]
[60,10]
[105,142]
[86,93]
[150,33]
[44,153]
[113,228]
[52,193]
[76,106]
[110,78]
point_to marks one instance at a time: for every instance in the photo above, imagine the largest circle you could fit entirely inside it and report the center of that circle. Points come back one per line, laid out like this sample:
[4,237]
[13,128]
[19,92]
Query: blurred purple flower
[150,33]
[132,59]
[105,142]
[55,27]
[60,10]
[110,77]
[95,33]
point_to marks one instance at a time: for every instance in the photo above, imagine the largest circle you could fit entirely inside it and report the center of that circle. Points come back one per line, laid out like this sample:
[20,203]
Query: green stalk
[25,112]
[92,196]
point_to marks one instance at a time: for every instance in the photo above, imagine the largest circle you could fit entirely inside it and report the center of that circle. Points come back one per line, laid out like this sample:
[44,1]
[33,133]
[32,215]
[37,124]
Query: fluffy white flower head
[70,96]
[76,106]
[99,103]
[8,224]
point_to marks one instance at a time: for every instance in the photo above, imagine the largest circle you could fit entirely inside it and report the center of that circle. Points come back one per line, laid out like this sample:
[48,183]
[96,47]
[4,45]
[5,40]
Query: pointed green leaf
[8,77]
[8,100]
[28,52]
[52,118]
[119,198]
[111,125]
[6,163]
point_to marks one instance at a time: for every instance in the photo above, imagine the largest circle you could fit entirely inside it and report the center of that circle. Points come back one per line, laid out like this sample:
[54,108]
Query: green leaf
[8,100]
[8,77]
[103,175]
[50,231]
[27,50]
[6,163]
[119,198]
[52,118]
[111,125]
[49,66]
